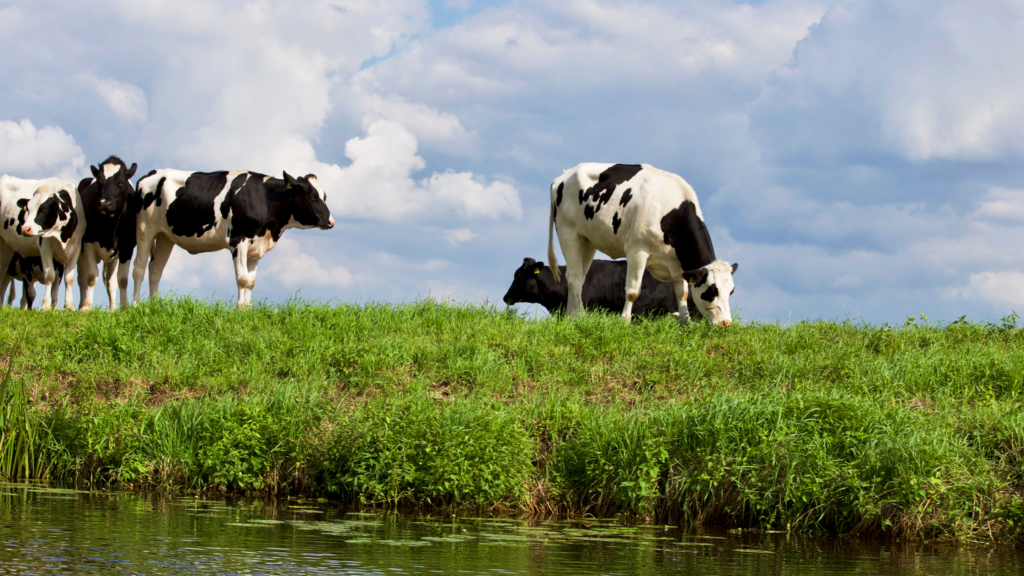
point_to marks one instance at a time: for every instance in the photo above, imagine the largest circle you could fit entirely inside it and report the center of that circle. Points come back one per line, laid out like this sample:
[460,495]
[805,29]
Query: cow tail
[552,259]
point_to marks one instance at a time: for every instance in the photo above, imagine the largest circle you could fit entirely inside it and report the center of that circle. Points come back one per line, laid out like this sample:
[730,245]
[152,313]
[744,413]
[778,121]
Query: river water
[54,531]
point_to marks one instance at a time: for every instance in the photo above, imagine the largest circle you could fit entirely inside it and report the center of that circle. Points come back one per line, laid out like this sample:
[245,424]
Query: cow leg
[145,247]
[241,258]
[49,275]
[110,268]
[10,298]
[28,294]
[636,263]
[161,253]
[681,293]
[123,269]
[252,264]
[6,255]
[69,279]
[87,274]
[572,249]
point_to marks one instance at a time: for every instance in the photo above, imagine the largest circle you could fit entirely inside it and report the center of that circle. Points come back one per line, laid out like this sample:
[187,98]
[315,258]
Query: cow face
[49,213]
[525,287]
[309,202]
[115,183]
[710,288]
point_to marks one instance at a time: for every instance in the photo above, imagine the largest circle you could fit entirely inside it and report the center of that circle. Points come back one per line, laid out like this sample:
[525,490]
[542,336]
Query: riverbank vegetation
[908,431]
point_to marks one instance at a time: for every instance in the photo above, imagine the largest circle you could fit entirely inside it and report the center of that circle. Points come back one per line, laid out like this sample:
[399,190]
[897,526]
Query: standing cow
[29,269]
[244,212]
[42,218]
[650,217]
[110,231]
[603,289]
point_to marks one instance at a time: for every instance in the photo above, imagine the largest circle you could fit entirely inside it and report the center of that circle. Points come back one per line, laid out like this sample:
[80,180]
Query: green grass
[910,431]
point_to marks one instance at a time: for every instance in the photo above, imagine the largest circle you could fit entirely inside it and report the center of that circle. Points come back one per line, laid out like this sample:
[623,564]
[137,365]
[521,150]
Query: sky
[859,159]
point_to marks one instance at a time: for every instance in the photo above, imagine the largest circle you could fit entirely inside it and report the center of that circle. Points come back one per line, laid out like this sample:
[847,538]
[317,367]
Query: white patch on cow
[316,186]
[110,170]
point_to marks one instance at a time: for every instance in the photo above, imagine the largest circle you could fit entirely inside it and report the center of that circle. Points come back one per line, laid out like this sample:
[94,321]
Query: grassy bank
[891,431]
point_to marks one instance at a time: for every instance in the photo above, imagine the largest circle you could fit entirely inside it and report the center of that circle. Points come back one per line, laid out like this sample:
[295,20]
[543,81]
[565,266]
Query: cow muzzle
[26,230]
[330,223]
[725,323]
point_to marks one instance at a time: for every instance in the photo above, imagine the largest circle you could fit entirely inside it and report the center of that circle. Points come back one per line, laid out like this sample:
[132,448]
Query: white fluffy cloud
[460,235]
[30,152]
[379,183]
[127,101]
[293,268]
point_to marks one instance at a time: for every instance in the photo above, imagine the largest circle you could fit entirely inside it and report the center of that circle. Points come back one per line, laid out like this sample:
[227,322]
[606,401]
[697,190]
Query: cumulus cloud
[998,287]
[125,100]
[460,235]
[293,267]
[30,152]
[379,184]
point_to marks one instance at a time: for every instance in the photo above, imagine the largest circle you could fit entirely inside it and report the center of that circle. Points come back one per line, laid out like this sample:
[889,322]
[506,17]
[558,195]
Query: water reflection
[46,531]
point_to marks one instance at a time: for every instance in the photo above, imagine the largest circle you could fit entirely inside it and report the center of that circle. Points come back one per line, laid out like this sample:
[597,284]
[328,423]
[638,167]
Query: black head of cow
[114,179]
[308,202]
[525,285]
[710,288]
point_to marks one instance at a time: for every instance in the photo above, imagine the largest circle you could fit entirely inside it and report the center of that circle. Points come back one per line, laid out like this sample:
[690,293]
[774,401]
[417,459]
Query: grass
[908,431]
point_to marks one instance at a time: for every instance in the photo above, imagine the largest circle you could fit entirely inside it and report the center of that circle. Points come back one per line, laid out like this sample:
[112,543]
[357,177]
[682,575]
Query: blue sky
[857,158]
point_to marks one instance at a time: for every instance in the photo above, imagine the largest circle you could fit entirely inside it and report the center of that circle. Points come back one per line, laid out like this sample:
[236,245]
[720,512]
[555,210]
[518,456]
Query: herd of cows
[51,229]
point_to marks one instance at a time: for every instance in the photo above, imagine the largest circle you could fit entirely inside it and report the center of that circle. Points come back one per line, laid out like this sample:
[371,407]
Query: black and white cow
[110,230]
[603,289]
[29,269]
[650,217]
[243,212]
[42,218]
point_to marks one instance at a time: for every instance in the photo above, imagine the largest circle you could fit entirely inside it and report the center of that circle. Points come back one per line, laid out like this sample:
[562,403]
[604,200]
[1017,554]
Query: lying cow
[42,218]
[29,269]
[243,212]
[110,231]
[604,289]
[650,217]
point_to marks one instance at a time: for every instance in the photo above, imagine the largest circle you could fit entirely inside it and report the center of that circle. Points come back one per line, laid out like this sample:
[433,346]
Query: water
[47,531]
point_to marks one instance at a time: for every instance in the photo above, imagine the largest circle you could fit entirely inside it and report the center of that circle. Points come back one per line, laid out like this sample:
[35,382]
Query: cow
[244,212]
[29,269]
[648,216]
[603,289]
[42,218]
[109,232]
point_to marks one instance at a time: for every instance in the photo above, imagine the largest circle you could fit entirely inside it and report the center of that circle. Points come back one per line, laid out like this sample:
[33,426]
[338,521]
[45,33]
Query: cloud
[998,287]
[379,185]
[27,151]
[293,267]
[124,99]
[460,235]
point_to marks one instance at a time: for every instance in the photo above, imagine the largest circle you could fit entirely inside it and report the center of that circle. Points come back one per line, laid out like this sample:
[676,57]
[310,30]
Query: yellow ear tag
[692,282]
[536,270]
[288,187]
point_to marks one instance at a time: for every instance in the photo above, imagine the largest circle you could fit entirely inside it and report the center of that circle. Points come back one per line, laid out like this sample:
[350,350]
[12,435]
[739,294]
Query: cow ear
[696,277]
[538,267]
[288,180]
[734,267]
[95,172]
[131,172]
[528,261]
[22,202]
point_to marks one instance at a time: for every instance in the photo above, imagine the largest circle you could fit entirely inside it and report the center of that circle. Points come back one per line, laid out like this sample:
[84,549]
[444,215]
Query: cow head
[309,202]
[710,288]
[49,212]
[526,286]
[114,179]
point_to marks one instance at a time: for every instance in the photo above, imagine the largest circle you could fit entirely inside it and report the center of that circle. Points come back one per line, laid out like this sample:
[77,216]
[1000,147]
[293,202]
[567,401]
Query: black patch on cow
[626,197]
[616,221]
[192,211]
[236,184]
[710,294]
[589,212]
[554,212]
[126,240]
[46,215]
[696,277]
[558,194]
[601,193]
[101,226]
[72,216]
[687,234]
[155,196]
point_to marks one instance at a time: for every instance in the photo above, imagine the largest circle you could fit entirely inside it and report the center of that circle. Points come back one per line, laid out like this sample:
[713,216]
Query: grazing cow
[650,217]
[604,289]
[42,218]
[110,230]
[244,212]
[29,269]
